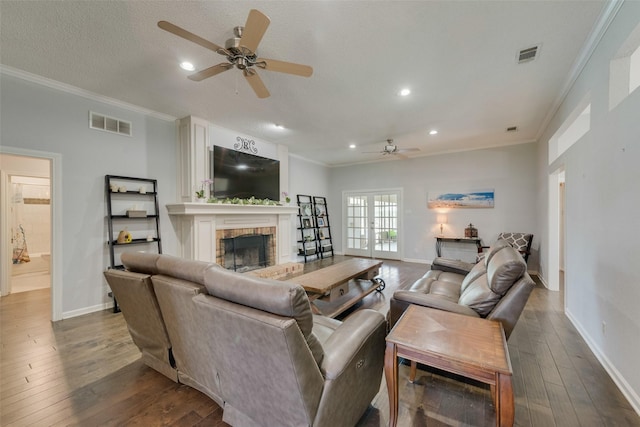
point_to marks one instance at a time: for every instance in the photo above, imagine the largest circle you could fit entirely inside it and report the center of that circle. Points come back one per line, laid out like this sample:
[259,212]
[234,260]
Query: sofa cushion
[140,262]
[478,295]
[441,283]
[504,269]
[184,269]
[477,271]
[494,249]
[281,298]
[519,241]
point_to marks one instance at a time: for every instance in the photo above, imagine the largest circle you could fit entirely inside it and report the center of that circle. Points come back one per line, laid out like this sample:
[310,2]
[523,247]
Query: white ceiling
[457,57]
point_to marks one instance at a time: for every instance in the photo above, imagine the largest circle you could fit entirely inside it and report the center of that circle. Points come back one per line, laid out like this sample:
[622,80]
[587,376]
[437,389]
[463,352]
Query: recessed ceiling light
[278,126]
[404,92]
[352,146]
[433,132]
[187,66]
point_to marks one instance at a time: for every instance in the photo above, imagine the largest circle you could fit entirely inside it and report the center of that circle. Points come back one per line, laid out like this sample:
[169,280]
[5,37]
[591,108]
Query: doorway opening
[18,162]
[556,233]
[30,224]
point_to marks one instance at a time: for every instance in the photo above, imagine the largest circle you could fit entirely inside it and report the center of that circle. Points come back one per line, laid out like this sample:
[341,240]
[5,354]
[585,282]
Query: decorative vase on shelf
[201,200]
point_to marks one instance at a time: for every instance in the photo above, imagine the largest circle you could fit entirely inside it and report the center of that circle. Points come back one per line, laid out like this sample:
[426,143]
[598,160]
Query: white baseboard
[417,261]
[544,282]
[628,392]
[86,310]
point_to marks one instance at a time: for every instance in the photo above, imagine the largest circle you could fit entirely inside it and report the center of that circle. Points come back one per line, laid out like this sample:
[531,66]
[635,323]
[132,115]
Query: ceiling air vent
[528,54]
[512,129]
[109,124]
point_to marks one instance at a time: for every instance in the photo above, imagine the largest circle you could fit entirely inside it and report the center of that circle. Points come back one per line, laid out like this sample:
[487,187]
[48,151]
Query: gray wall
[602,283]
[510,171]
[41,118]
[308,178]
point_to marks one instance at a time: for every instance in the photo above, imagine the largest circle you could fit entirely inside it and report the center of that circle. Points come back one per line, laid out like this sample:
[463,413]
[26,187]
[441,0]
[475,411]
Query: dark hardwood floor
[86,371]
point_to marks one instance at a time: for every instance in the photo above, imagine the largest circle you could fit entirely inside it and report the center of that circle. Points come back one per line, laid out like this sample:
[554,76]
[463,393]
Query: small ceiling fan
[241,53]
[391,149]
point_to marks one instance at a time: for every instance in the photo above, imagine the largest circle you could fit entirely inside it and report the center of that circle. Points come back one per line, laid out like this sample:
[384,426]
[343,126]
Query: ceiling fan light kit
[391,148]
[240,52]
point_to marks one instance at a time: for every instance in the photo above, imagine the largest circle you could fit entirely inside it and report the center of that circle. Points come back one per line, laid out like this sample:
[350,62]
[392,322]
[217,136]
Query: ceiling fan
[391,149]
[241,53]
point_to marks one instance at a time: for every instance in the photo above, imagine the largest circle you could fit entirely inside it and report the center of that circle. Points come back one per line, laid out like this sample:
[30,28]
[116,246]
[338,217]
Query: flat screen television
[244,175]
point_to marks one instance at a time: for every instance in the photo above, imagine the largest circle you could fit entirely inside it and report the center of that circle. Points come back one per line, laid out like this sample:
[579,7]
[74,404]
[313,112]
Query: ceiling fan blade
[181,32]
[210,72]
[254,29]
[285,67]
[256,83]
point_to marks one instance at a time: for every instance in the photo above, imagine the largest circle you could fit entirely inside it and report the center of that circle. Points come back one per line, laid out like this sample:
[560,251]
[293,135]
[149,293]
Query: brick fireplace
[246,249]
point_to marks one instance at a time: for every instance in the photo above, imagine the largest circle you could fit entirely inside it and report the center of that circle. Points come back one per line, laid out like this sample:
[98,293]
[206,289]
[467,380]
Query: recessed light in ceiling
[352,146]
[433,132]
[404,92]
[278,126]
[187,66]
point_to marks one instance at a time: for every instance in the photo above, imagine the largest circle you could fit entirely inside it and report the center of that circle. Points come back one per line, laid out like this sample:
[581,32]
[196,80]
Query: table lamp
[442,219]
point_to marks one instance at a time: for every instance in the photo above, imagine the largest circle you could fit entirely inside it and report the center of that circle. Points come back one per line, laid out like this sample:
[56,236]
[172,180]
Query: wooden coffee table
[469,346]
[336,288]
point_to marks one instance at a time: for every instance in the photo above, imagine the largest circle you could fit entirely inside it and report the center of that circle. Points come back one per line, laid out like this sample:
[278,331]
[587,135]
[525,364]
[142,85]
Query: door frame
[55,175]
[400,236]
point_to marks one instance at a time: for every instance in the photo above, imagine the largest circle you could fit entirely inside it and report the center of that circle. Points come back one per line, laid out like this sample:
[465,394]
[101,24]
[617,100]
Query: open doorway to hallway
[30,222]
[26,225]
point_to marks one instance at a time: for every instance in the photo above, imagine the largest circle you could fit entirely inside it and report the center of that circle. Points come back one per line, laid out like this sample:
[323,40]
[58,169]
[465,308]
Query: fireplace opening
[246,252]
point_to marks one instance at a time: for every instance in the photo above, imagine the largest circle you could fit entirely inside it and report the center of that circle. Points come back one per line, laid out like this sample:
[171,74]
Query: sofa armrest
[452,265]
[343,345]
[433,301]
[352,367]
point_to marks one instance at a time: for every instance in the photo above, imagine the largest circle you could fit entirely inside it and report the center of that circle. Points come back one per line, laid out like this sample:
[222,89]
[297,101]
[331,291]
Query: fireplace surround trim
[196,225]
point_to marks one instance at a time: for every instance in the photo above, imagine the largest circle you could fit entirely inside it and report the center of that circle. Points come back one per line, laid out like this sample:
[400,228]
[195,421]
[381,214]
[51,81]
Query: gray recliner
[279,364]
[139,306]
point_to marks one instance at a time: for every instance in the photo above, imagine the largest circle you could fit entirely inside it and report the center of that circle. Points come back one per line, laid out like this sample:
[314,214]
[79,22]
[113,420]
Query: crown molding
[63,87]
[597,32]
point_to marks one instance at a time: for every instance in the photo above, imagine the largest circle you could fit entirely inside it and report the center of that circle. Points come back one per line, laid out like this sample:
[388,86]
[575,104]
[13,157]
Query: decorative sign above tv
[244,175]
[246,145]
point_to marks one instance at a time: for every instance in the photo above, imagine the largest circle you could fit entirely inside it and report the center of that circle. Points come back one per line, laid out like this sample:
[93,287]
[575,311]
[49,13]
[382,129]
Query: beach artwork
[469,199]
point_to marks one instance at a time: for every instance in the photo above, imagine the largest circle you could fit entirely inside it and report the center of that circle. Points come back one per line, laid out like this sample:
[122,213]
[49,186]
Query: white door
[372,227]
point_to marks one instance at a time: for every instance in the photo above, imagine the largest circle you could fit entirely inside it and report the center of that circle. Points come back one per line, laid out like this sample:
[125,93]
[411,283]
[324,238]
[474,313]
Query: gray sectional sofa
[250,344]
[496,288]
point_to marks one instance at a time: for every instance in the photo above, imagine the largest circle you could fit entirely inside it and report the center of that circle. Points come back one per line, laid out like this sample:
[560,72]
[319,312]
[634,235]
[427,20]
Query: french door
[372,227]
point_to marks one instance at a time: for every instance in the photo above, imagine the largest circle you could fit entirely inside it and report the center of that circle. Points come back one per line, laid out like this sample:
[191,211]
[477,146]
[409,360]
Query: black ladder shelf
[132,208]
[314,231]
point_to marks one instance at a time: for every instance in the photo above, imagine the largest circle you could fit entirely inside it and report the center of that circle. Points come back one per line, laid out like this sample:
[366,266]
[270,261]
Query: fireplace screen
[247,252]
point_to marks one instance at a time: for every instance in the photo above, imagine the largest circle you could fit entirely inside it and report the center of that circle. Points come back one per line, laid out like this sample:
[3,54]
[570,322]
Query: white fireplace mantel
[228,209]
[196,225]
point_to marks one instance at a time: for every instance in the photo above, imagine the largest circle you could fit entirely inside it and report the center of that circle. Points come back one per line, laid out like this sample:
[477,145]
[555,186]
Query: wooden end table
[468,346]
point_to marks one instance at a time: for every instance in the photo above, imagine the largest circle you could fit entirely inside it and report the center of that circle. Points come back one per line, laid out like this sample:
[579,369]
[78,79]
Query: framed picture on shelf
[305,209]
[321,235]
[306,223]
[320,210]
[320,222]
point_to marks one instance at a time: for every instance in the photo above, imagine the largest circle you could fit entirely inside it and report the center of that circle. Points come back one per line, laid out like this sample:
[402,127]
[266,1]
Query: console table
[475,240]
